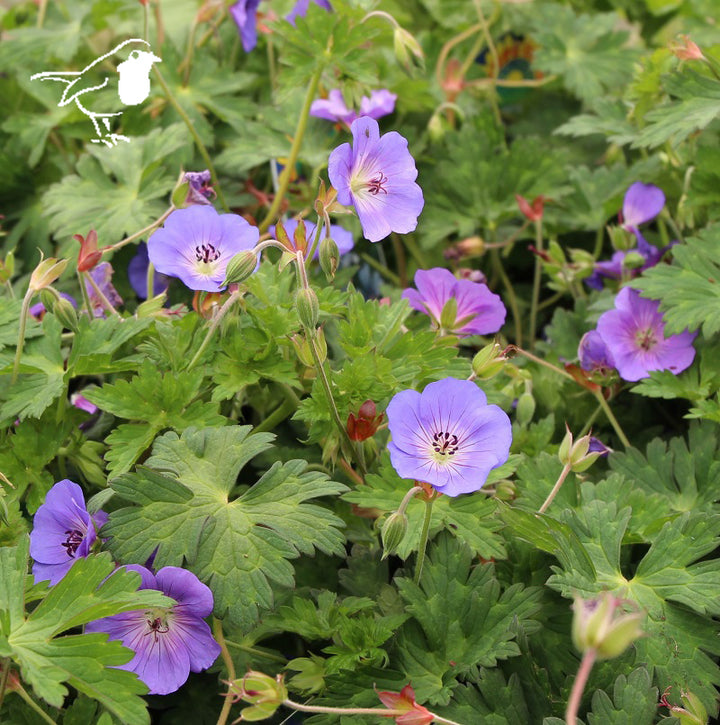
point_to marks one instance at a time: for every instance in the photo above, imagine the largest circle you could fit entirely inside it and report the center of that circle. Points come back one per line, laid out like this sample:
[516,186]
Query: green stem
[414,491]
[578,687]
[257,652]
[401,260]
[423,540]
[10,289]
[150,281]
[380,711]
[24,311]
[100,295]
[85,296]
[391,276]
[24,695]
[415,253]
[537,277]
[599,239]
[41,13]
[590,421]
[284,181]
[213,326]
[5,674]
[196,137]
[510,292]
[613,420]
[227,659]
[561,479]
[542,362]
[277,416]
[133,237]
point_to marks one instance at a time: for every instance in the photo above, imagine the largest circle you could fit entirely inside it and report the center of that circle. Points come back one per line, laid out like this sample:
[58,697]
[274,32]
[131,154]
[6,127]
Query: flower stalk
[581,678]
[558,484]
[537,277]
[422,546]
[234,297]
[227,660]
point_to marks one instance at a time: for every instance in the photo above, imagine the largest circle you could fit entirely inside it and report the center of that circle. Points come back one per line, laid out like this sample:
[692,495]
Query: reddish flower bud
[534,211]
[364,425]
[412,713]
[89,254]
[685,49]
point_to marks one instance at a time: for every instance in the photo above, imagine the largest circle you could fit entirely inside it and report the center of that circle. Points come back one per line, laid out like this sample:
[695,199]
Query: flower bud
[436,127]
[308,307]
[393,532]
[46,273]
[633,260]
[89,255]
[686,49]
[65,312]
[621,239]
[407,51]
[240,267]
[488,362]
[282,237]
[300,237]
[7,268]
[264,693]
[329,257]
[505,490]
[600,625]
[366,423]
[531,211]
[302,349]
[525,408]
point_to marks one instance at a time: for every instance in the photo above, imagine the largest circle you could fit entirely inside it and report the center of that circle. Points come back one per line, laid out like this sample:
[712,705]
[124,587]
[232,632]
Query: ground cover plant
[359,362]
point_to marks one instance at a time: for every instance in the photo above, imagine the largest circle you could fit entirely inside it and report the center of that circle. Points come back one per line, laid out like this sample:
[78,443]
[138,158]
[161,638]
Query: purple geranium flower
[376,105]
[478,310]
[642,203]
[137,274]
[200,189]
[594,354]
[377,175]
[342,237]
[301,7]
[168,642]
[196,244]
[102,276]
[634,333]
[447,436]
[243,13]
[63,531]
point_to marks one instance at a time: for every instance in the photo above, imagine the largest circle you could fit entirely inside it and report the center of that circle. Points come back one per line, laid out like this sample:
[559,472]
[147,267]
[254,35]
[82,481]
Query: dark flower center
[444,443]
[206,252]
[156,624]
[71,543]
[376,184]
[646,339]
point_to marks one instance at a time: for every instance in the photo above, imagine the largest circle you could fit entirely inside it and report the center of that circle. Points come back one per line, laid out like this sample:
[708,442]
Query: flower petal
[642,203]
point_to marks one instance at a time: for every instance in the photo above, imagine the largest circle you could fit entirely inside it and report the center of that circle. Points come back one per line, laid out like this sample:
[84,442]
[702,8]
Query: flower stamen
[206,252]
[646,339]
[375,185]
[445,444]
[72,542]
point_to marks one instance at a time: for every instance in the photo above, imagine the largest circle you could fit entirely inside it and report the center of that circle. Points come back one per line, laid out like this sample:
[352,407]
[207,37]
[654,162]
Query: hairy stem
[510,292]
[133,237]
[227,659]
[213,326]
[100,295]
[537,277]
[611,417]
[561,479]
[422,546]
[578,687]
[24,311]
[32,704]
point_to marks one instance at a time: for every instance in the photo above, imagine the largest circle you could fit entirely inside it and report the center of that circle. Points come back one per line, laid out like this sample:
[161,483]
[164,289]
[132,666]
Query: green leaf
[116,191]
[233,543]
[160,400]
[698,104]
[688,289]
[462,619]
[49,661]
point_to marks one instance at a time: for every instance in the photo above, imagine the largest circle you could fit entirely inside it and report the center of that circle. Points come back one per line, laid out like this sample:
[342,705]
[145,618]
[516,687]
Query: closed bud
[46,273]
[48,297]
[308,307]
[65,312]
[565,446]
[240,267]
[302,349]
[633,260]
[602,625]
[621,239]
[407,51]
[525,408]
[283,238]
[393,532]
[329,257]
[300,237]
[505,490]
[694,711]
[321,344]
[436,127]
[263,692]
[489,361]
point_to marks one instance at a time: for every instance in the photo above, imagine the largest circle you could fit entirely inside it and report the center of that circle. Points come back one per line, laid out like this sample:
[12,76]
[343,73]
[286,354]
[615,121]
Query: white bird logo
[133,86]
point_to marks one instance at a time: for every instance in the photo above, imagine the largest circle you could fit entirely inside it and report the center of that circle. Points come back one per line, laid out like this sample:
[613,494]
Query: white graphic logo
[130,87]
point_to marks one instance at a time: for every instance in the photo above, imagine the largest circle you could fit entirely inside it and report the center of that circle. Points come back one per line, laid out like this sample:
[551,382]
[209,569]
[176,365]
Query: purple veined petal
[380,103]
[339,169]
[51,573]
[102,275]
[204,649]
[186,589]
[243,13]
[475,298]
[333,108]
[137,274]
[593,352]
[434,288]
[642,203]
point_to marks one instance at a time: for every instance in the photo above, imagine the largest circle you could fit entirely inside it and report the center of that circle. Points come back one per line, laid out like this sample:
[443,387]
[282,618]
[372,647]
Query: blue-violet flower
[63,531]
[196,244]
[478,311]
[634,333]
[168,642]
[102,276]
[377,175]
[137,274]
[243,13]
[447,436]
[376,105]
[342,237]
